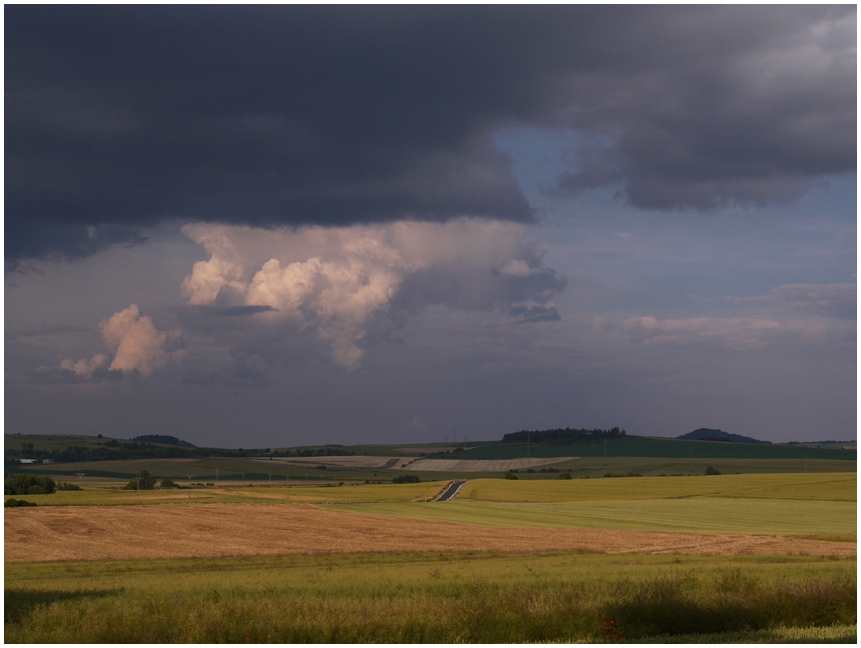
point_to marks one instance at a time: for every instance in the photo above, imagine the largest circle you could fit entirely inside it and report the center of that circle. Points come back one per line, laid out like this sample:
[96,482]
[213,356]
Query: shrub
[14,503]
[406,479]
[510,475]
[712,471]
[564,476]
[168,483]
[65,486]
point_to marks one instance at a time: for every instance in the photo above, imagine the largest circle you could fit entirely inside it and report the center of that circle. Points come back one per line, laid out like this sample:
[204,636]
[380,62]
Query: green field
[641,455]
[696,515]
[476,597]
[796,504]
[446,597]
[112,495]
[841,487]
[230,470]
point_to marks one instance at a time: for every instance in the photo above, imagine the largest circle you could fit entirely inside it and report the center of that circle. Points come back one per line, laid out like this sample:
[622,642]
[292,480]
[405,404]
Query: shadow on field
[18,603]
[669,605]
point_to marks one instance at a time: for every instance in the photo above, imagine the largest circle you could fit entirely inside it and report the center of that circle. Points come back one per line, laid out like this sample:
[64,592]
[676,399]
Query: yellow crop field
[794,486]
[694,515]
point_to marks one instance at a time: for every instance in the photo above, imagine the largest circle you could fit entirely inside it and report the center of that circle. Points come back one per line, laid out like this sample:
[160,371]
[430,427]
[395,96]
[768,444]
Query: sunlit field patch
[698,515]
[801,486]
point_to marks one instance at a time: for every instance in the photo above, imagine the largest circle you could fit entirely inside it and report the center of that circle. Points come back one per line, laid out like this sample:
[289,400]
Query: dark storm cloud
[61,376]
[120,117]
[233,311]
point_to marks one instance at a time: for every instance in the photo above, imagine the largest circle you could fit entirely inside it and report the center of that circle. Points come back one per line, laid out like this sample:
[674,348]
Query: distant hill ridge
[163,439]
[707,434]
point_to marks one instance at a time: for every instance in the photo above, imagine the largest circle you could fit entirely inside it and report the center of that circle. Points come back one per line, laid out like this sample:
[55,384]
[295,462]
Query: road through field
[450,492]
[212,530]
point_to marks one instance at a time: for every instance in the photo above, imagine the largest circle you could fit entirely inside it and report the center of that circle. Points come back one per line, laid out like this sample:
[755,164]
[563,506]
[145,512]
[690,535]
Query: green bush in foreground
[425,598]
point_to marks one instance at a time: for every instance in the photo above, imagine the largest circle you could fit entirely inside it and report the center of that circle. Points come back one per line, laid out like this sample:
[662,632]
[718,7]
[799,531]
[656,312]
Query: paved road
[451,491]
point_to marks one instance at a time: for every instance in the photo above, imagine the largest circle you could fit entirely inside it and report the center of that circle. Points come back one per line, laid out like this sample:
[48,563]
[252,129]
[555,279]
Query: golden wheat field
[210,530]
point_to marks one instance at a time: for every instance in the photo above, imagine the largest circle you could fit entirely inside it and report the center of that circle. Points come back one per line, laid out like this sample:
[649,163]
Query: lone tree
[144,481]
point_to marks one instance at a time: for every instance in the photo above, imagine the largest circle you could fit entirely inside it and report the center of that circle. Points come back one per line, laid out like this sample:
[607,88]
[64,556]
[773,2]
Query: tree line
[559,436]
[114,450]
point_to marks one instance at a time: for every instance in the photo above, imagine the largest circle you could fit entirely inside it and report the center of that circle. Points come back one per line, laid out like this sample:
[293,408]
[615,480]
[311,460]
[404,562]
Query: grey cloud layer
[792,314]
[120,117]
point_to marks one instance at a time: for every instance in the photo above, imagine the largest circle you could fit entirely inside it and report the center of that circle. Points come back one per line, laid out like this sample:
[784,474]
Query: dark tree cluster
[317,452]
[65,486]
[163,439]
[560,436]
[144,481]
[28,485]
[406,479]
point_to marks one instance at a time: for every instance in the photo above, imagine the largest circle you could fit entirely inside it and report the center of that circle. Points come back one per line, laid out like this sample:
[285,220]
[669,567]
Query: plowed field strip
[211,530]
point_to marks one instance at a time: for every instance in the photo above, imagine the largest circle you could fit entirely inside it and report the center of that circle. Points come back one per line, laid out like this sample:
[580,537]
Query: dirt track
[210,530]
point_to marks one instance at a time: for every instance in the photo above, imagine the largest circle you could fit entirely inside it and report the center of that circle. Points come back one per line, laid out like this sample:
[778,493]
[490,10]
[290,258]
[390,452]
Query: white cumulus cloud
[333,281]
[135,342]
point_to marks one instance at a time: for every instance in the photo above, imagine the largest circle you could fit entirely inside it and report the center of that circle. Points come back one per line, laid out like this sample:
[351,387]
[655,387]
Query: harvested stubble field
[211,530]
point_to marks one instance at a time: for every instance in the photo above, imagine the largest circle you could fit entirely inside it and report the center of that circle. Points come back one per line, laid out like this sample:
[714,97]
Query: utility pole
[692,457]
[189,487]
[81,490]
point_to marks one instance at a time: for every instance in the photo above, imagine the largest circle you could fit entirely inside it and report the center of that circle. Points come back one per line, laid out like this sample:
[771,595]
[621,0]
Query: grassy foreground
[427,597]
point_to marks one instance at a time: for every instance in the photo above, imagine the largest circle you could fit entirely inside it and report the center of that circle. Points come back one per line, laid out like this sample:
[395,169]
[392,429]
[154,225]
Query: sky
[277,225]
